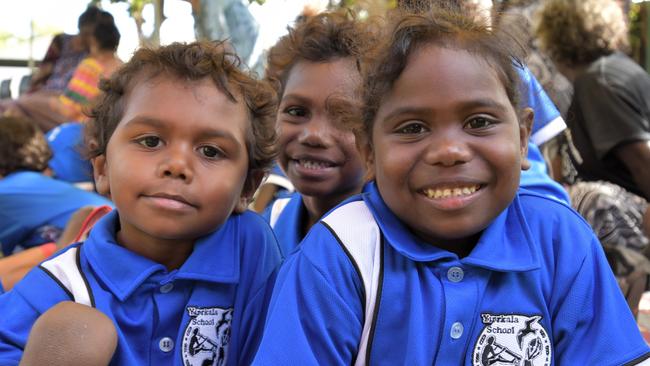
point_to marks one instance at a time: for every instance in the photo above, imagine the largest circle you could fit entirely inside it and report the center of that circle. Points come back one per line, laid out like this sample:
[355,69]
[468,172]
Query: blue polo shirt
[286,216]
[536,288]
[547,124]
[35,208]
[68,162]
[287,225]
[212,308]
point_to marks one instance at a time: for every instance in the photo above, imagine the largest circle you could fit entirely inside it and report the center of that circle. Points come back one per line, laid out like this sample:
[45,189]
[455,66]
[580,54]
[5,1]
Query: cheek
[348,145]
[287,133]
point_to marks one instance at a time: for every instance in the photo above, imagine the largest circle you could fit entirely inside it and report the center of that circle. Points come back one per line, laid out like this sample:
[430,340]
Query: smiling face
[176,164]
[320,159]
[448,148]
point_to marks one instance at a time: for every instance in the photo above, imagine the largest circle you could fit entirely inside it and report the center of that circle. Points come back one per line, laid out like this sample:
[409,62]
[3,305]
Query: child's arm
[20,308]
[71,334]
[14,267]
[316,314]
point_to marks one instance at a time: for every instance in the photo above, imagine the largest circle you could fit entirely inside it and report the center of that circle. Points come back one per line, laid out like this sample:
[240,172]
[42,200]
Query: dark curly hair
[442,26]
[22,146]
[187,63]
[319,38]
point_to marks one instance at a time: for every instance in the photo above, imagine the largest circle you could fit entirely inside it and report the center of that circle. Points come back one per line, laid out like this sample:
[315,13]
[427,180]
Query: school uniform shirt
[211,309]
[536,290]
[35,208]
[286,215]
[67,162]
[547,123]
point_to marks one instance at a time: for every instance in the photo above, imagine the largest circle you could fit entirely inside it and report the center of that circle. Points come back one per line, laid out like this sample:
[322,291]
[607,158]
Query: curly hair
[22,146]
[577,32]
[188,63]
[319,38]
[441,26]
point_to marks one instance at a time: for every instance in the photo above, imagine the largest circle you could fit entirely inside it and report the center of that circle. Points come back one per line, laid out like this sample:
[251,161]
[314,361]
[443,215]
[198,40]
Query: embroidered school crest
[206,336]
[510,339]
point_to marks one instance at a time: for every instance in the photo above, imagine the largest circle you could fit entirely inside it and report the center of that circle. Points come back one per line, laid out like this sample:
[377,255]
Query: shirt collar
[506,245]
[215,258]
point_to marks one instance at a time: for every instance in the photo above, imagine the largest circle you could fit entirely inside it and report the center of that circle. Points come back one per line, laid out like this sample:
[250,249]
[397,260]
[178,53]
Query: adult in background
[609,113]
[608,119]
[50,110]
[64,54]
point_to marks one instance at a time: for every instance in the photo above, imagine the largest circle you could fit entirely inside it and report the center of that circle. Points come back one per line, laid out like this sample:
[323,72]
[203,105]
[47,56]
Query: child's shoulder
[352,212]
[556,226]
[547,209]
[250,222]
[53,281]
[252,232]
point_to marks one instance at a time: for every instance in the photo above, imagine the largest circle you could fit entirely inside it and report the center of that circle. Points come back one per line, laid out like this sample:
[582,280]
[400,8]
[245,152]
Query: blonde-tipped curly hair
[577,32]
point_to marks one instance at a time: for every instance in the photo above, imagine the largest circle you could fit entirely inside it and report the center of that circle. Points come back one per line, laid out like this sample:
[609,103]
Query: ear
[525,126]
[250,186]
[367,156]
[100,173]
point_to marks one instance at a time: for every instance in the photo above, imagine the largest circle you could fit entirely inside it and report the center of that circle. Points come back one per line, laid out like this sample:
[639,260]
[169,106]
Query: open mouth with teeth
[451,192]
[314,164]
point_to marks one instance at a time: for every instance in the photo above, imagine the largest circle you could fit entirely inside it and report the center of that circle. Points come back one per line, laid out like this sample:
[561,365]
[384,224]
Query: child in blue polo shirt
[315,71]
[34,207]
[180,140]
[444,260]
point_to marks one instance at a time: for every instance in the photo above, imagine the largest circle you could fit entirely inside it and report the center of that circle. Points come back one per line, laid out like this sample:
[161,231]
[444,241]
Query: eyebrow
[296,97]
[160,124]
[470,104]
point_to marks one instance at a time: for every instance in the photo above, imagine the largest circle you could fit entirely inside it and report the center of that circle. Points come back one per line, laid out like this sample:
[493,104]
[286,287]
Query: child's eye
[210,151]
[296,111]
[412,129]
[479,123]
[150,141]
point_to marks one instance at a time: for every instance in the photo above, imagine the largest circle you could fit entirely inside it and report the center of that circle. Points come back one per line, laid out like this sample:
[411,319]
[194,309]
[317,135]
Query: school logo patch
[206,336]
[512,340]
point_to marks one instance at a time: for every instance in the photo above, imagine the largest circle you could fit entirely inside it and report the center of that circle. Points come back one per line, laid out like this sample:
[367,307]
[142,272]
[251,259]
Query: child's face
[448,148]
[320,159]
[177,162]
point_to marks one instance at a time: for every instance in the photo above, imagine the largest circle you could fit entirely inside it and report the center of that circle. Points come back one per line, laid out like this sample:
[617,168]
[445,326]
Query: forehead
[186,104]
[323,78]
[437,75]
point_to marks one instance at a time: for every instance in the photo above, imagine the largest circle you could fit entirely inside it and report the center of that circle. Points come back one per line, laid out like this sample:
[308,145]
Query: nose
[317,132]
[447,149]
[176,164]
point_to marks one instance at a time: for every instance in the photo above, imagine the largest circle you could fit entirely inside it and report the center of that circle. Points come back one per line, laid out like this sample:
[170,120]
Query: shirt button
[455,274]
[456,330]
[166,287]
[166,344]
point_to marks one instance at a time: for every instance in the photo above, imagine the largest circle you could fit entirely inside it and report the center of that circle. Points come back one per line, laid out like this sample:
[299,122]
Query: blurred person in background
[609,123]
[609,116]
[50,110]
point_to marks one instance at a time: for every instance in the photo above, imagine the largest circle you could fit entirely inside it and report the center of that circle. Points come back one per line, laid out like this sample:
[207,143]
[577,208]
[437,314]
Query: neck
[102,54]
[461,247]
